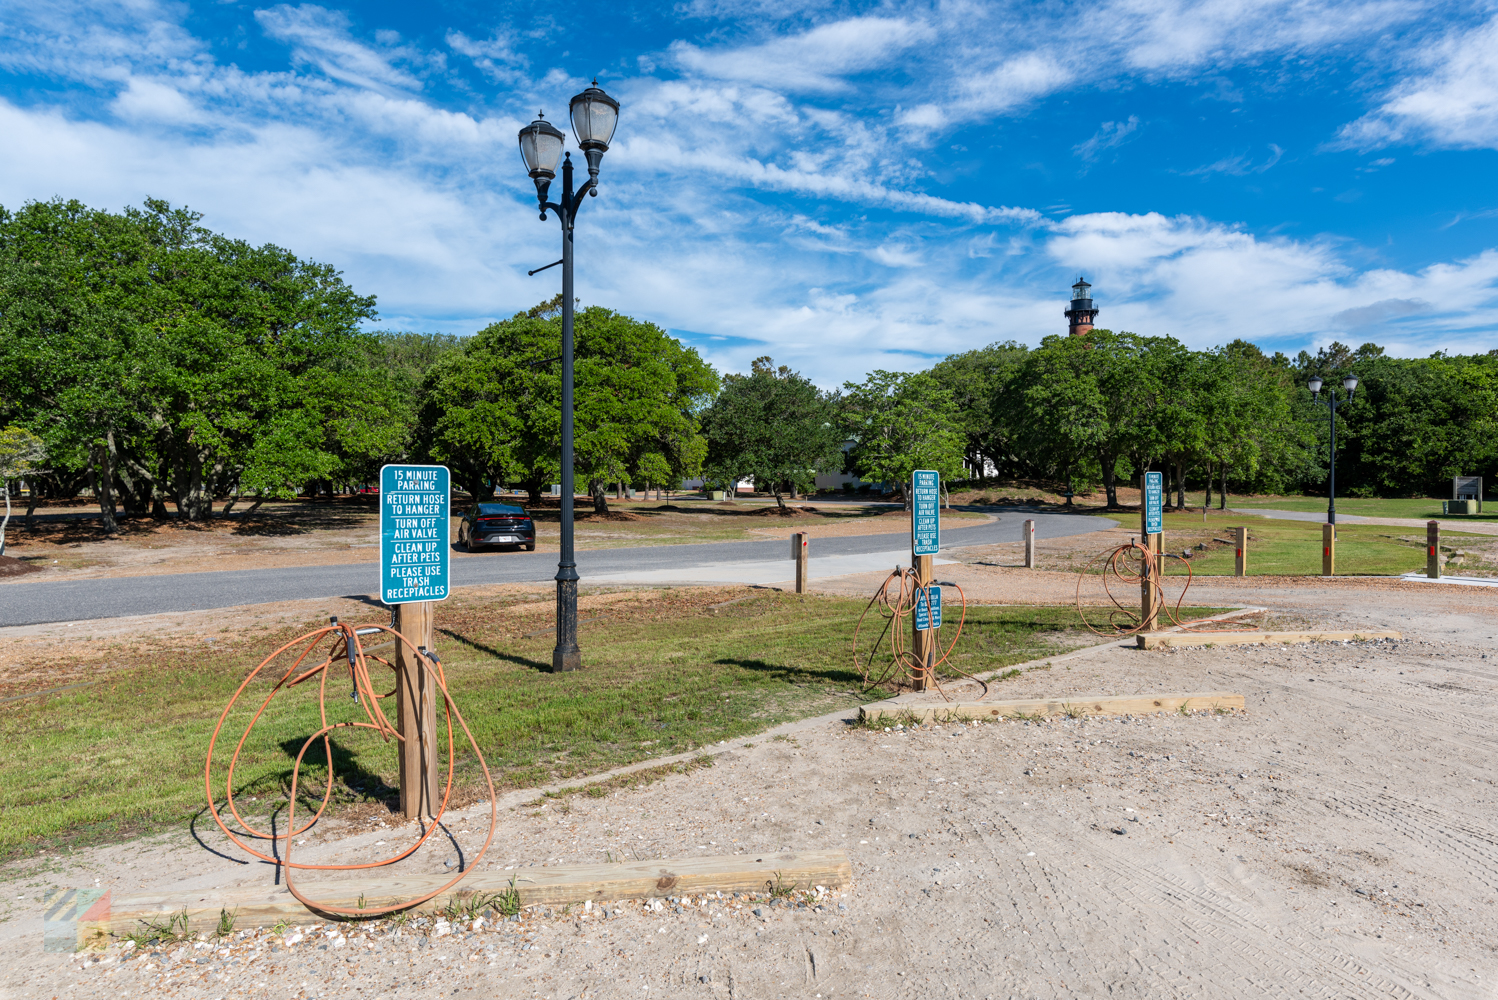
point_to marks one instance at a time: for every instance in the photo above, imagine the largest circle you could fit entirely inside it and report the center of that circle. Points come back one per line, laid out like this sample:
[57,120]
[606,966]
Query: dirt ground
[1336,839]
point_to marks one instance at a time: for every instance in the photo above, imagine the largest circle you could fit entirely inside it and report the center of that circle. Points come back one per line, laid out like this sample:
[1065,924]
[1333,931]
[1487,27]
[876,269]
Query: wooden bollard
[1433,549]
[1240,558]
[1328,550]
[1029,545]
[799,554]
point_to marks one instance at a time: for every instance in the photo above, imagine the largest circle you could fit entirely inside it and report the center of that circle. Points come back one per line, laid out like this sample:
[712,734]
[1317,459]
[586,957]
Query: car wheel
[464,545]
[530,547]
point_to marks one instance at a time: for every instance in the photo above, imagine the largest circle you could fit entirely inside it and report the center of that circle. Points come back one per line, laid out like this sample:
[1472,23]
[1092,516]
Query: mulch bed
[787,511]
[11,566]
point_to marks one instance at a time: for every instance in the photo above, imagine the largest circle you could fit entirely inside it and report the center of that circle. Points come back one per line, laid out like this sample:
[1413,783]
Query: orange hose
[903,661]
[347,646]
[1117,564]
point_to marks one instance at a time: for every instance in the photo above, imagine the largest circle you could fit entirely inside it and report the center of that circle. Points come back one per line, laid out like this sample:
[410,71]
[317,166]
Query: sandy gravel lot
[1337,839]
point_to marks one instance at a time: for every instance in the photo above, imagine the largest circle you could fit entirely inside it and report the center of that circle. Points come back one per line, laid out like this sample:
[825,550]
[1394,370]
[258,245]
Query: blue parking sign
[414,529]
[925,512]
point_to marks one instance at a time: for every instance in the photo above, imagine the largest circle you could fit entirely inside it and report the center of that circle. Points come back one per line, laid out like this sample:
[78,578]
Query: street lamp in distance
[594,115]
[1350,383]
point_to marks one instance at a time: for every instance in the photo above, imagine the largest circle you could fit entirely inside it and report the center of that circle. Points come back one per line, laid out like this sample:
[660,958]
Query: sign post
[1152,532]
[925,543]
[414,552]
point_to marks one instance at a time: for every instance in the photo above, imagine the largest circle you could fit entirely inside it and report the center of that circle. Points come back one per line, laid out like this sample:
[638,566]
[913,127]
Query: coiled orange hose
[346,646]
[1119,564]
[904,664]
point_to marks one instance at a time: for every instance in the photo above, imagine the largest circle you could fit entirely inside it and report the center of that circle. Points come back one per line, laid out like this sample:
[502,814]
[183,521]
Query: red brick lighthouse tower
[1082,311]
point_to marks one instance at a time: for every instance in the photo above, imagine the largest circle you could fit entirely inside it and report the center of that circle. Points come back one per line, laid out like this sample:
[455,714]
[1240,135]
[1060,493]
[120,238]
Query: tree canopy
[773,425]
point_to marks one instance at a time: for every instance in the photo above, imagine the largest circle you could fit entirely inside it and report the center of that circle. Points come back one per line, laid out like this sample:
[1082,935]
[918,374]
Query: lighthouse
[1082,311]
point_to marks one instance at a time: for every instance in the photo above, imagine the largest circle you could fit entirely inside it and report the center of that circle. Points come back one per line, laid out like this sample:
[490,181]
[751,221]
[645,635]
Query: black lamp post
[1350,383]
[594,115]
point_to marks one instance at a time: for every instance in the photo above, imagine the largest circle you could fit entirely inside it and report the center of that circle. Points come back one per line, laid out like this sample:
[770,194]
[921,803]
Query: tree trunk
[1110,484]
[778,499]
[600,497]
[1222,494]
[1207,500]
[31,508]
[196,502]
[104,489]
[1181,484]
[254,506]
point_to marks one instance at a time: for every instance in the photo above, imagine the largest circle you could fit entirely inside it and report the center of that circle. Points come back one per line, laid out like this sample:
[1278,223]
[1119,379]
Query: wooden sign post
[925,543]
[1029,545]
[1152,536]
[414,548]
[1240,560]
[1328,550]
[416,713]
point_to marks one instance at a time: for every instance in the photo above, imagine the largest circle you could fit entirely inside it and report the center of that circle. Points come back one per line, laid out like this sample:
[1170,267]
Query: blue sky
[843,186]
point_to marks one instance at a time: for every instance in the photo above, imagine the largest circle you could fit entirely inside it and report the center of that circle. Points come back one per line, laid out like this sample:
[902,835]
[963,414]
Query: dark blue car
[496,524]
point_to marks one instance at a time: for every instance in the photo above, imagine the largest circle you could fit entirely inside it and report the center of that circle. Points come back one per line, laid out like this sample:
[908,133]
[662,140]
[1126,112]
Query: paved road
[23,603]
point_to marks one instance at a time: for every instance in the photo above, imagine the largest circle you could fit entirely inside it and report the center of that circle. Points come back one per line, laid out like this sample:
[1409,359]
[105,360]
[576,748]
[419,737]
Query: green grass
[1417,507]
[1292,548]
[125,756]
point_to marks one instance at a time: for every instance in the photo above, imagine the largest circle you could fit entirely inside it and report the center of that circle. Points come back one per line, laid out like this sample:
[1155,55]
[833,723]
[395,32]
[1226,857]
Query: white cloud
[1109,136]
[1208,283]
[321,37]
[815,60]
[1240,165]
[1450,97]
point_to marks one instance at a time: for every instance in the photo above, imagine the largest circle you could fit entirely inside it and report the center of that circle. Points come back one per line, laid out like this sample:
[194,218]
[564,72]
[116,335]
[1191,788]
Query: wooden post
[1433,549]
[1149,567]
[1029,545]
[923,643]
[1328,550]
[416,710]
[1240,561]
[800,555]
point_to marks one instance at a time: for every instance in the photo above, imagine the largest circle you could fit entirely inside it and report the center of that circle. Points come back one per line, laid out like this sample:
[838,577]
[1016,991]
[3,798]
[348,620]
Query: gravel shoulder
[1336,839]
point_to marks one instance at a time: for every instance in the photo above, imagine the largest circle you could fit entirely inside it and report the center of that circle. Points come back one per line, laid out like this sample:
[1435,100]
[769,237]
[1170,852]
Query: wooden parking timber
[266,906]
[1082,704]
[1164,640]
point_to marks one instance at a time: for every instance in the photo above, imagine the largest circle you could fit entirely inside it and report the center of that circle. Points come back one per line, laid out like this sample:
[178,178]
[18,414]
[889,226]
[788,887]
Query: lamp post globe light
[1350,383]
[594,115]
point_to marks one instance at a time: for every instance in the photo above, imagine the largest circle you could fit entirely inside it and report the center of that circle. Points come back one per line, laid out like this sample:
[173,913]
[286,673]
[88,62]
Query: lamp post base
[566,656]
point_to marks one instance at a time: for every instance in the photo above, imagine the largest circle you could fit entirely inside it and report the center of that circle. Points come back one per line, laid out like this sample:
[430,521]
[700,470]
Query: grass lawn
[1420,507]
[1293,548]
[664,674]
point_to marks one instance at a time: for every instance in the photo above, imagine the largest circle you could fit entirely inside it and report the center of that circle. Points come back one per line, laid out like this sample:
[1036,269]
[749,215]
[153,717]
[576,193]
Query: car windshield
[499,510]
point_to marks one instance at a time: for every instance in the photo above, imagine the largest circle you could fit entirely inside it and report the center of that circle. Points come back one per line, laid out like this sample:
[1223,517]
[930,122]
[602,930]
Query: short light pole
[594,115]
[1350,383]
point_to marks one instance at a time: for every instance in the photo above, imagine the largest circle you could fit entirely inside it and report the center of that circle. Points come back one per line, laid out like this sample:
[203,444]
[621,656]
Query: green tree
[158,354]
[772,424]
[900,422]
[974,379]
[1091,401]
[493,410]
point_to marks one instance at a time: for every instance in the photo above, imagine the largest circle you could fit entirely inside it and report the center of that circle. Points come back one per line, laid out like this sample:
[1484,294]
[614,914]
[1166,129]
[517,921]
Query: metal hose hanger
[896,599]
[344,648]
